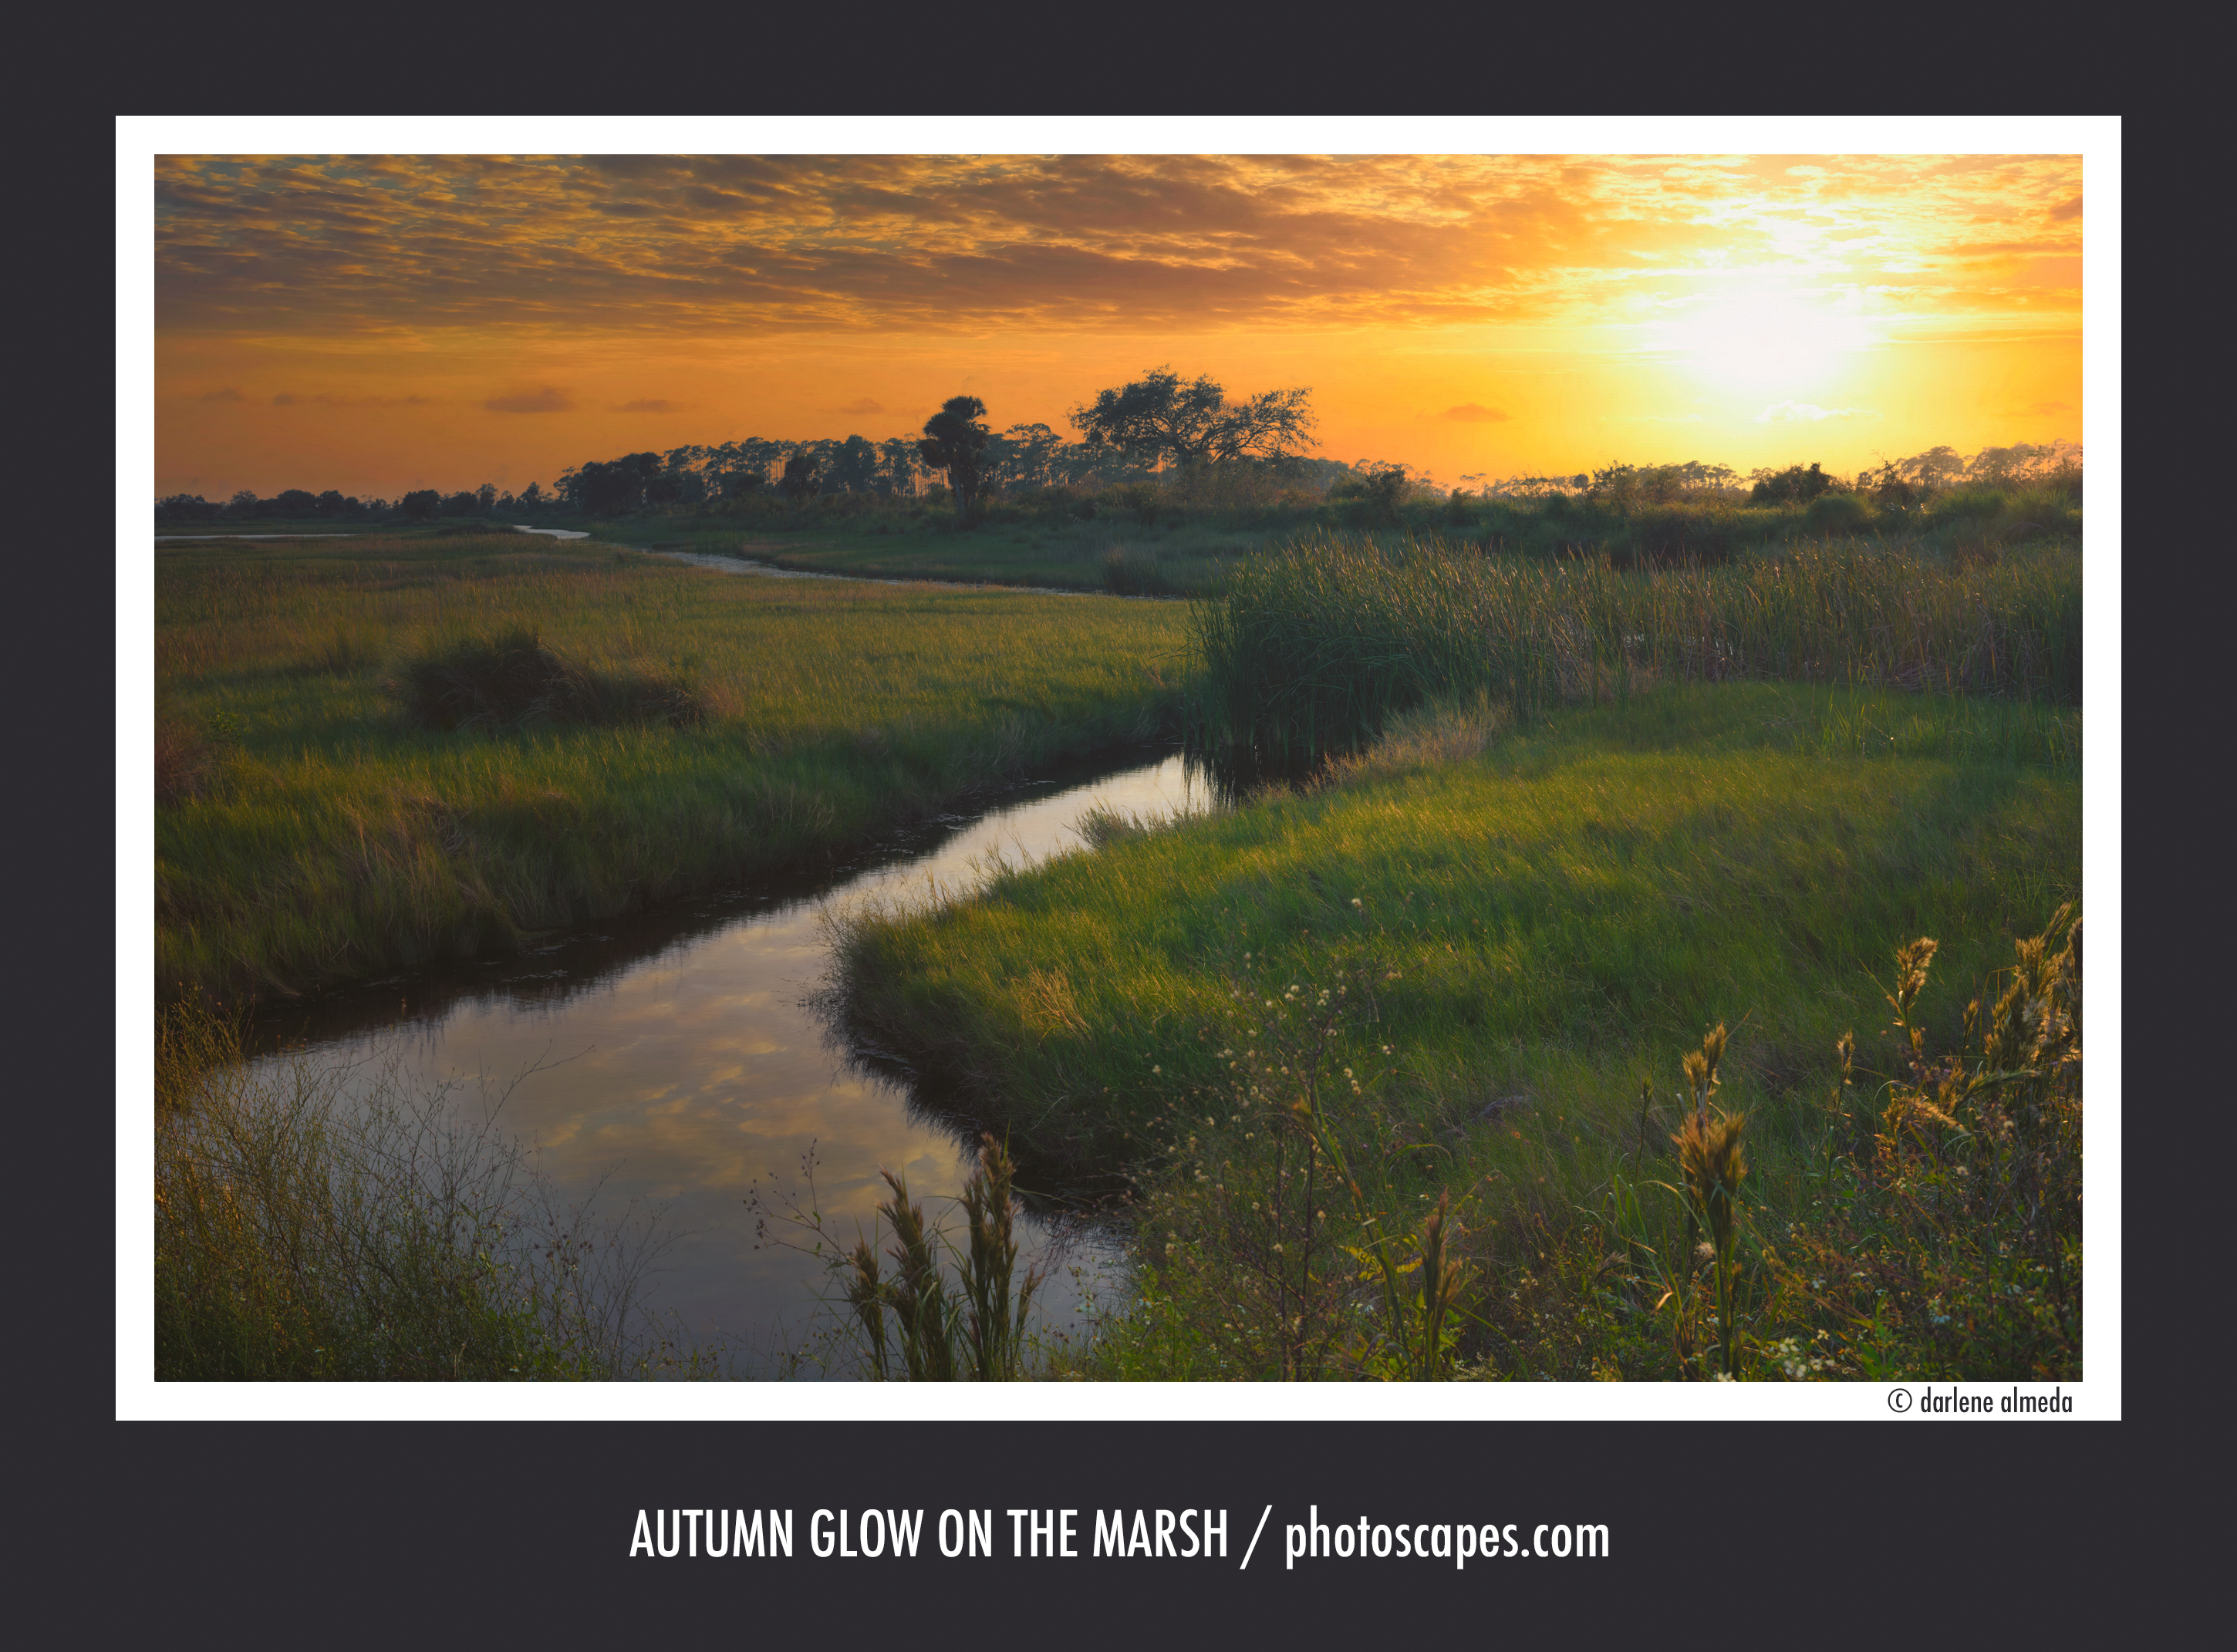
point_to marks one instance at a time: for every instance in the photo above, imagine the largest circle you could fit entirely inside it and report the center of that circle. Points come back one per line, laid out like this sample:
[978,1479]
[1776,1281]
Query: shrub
[1793,486]
[1967,505]
[1373,496]
[509,679]
[1129,572]
[1834,514]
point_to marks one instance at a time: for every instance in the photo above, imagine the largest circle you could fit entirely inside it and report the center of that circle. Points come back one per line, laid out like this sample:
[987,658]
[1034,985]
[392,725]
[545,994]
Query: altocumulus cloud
[770,246]
[1470,413]
[230,394]
[546,400]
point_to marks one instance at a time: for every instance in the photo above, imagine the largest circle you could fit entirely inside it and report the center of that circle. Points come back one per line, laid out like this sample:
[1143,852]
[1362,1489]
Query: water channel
[677,1063]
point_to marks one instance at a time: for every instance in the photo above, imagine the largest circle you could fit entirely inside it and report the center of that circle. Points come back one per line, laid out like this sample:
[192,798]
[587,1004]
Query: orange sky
[380,324]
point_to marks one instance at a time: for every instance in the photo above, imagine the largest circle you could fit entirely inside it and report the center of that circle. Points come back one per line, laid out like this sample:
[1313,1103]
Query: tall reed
[1321,638]
[972,1328]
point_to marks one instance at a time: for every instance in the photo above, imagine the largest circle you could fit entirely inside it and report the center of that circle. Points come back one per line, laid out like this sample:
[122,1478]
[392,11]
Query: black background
[2065,1533]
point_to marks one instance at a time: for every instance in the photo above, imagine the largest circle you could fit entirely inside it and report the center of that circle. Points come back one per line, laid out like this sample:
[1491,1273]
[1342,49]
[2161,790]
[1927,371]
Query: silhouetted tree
[420,505]
[1793,486]
[612,488]
[800,476]
[898,463]
[1024,456]
[955,443]
[1161,419]
[852,467]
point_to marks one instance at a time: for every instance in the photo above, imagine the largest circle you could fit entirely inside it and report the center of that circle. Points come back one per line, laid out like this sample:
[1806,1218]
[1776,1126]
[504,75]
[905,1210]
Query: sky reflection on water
[671,1059]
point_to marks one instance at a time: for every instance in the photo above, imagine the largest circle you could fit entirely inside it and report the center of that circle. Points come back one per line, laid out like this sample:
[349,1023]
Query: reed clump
[945,1312]
[1319,641]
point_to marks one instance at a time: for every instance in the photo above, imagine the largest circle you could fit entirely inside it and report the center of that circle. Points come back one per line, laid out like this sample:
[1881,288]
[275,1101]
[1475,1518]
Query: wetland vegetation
[1642,940]
[374,752]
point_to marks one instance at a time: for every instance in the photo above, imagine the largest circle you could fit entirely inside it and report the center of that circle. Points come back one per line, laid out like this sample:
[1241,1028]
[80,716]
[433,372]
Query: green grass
[313,831]
[1546,915]
[1125,558]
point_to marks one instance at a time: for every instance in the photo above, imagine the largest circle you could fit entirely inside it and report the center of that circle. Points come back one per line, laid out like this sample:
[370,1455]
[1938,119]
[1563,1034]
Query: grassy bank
[328,809]
[1516,929]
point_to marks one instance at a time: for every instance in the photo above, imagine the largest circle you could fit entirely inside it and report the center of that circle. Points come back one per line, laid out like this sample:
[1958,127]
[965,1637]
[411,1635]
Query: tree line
[1900,481]
[1157,423]
[1160,425]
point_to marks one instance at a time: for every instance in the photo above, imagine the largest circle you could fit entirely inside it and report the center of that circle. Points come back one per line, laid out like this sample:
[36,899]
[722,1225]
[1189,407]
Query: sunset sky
[382,323]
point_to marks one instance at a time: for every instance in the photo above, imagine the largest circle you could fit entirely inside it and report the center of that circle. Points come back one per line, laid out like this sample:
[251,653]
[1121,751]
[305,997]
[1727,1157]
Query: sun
[1765,338]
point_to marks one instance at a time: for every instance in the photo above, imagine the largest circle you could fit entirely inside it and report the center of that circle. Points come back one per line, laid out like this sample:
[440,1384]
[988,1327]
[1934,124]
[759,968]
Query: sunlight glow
[1766,338]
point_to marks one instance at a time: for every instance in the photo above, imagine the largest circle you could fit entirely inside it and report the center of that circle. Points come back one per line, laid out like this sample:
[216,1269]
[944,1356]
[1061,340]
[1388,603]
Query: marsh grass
[1319,643]
[669,727]
[316,1224]
[1556,908]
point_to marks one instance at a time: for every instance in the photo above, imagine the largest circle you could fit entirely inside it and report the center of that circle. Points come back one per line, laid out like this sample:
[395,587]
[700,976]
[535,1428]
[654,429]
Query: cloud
[546,400]
[228,394]
[644,405]
[284,398]
[1470,413]
[861,405]
[762,246]
[1807,412]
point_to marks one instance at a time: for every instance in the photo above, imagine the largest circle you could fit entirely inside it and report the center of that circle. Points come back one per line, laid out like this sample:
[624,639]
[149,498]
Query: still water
[675,1062]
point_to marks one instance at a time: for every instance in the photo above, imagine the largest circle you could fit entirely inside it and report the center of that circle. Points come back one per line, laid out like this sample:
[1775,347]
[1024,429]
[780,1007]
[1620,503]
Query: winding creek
[676,1065]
